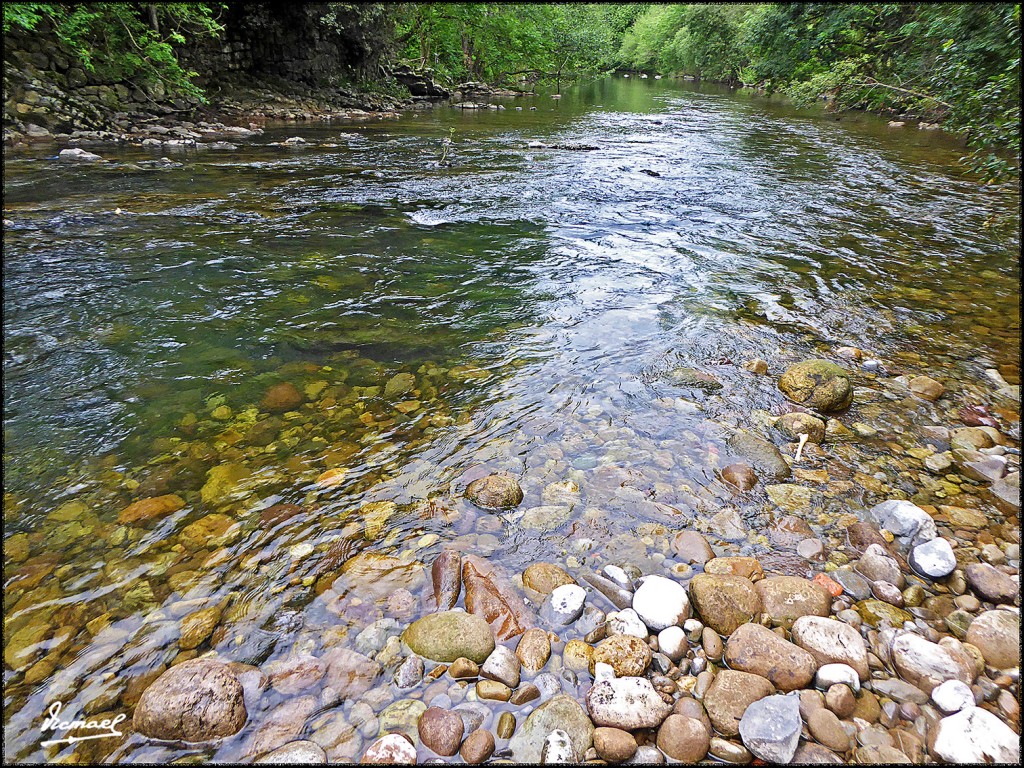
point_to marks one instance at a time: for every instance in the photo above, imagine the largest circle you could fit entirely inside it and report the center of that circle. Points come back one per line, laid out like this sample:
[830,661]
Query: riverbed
[307,351]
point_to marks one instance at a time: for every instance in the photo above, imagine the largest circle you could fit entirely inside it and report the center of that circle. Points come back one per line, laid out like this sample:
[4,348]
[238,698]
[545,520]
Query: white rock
[628,703]
[693,629]
[770,727]
[295,752]
[661,603]
[502,665]
[619,576]
[78,154]
[926,664]
[975,735]
[557,749]
[391,749]
[830,641]
[626,622]
[603,671]
[934,559]
[953,696]
[565,604]
[672,642]
[830,674]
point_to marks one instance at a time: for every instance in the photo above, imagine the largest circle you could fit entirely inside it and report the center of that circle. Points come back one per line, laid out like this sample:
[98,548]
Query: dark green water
[537,296]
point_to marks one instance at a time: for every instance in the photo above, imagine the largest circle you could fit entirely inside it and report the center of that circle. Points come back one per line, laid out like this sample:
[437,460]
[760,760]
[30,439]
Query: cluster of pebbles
[904,650]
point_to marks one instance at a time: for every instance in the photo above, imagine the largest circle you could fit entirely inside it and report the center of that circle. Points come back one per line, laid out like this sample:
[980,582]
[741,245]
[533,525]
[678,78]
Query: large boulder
[196,701]
[446,636]
[818,384]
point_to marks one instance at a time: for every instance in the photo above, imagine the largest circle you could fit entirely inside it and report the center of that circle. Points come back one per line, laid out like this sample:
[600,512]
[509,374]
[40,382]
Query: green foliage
[955,63]
[124,41]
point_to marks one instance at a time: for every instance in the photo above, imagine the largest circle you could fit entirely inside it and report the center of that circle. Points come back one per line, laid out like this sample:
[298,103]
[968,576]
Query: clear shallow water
[539,297]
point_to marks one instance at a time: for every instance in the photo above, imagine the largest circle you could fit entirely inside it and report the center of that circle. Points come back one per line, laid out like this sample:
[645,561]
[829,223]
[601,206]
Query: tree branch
[872,83]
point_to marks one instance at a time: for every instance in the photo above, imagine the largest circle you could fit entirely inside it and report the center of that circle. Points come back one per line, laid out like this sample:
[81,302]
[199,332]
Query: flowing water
[543,301]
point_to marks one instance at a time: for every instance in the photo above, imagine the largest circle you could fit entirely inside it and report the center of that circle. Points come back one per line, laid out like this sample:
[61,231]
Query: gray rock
[661,603]
[628,703]
[1007,491]
[906,520]
[77,154]
[934,559]
[372,639]
[409,672]
[900,691]
[853,584]
[448,635]
[564,605]
[616,595]
[557,749]
[562,712]
[502,665]
[991,584]
[770,728]
[975,735]
[876,565]
[763,456]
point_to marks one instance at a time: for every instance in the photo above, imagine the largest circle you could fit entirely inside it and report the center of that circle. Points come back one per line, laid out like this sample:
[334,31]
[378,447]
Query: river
[541,300]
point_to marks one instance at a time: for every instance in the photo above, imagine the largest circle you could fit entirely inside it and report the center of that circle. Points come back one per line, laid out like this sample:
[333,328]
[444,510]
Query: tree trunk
[154,22]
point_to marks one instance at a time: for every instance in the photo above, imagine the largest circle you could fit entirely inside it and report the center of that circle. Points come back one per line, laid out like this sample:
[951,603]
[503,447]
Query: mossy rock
[818,384]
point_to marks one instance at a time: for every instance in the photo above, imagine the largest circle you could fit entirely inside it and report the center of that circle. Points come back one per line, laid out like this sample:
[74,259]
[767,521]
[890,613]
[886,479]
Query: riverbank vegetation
[954,64]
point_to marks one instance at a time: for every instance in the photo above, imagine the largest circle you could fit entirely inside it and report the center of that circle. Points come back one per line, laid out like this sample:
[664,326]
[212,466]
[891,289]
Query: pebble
[825,727]
[830,641]
[626,622]
[684,739]
[673,643]
[441,731]
[614,745]
[493,690]
[837,674]
[534,649]
[502,665]
[564,605]
[478,747]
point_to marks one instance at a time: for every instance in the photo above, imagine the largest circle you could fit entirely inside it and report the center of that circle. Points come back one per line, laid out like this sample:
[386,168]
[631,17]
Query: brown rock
[840,699]
[792,425]
[830,641]
[828,731]
[534,649]
[477,747]
[349,673]
[691,547]
[493,690]
[543,578]
[446,574]
[147,509]
[391,749]
[490,596]
[739,476]
[692,708]
[729,696]
[818,384]
[926,387]
[810,700]
[281,397]
[788,531]
[724,602]
[861,535]
[495,492]
[198,700]
[809,753]
[747,567]
[629,656]
[684,738]
[463,668]
[614,745]
[294,675]
[991,584]
[786,598]
[997,635]
[441,731]
[524,694]
[198,626]
[756,649]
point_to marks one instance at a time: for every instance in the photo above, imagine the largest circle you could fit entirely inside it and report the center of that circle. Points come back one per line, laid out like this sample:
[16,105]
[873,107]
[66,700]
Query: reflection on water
[305,353]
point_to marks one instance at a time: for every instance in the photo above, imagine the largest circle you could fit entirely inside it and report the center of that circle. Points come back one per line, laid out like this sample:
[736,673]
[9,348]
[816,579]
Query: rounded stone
[840,699]
[792,425]
[614,744]
[495,492]
[997,635]
[448,635]
[629,656]
[477,747]
[724,602]
[830,641]
[673,643]
[392,749]
[729,696]
[661,603]
[683,738]
[828,731]
[195,701]
[739,476]
[991,584]
[441,731]
[534,649]
[543,578]
[756,649]
[786,598]
[818,384]
[281,397]
[934,558]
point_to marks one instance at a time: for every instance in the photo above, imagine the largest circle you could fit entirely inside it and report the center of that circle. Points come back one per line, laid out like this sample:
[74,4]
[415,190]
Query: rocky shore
[901,645]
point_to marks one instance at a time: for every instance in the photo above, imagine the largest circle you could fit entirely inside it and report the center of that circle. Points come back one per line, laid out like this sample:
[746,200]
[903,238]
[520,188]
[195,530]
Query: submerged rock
[446,574]
[495,492]
[492,597]
[195,701]
[446,636]
[763,456]
[562,712]
[724,602]
[818,384]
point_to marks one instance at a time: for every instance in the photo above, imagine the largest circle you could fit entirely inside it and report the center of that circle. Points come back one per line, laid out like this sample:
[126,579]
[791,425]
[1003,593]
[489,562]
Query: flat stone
[926,387]
[904,519]
[730,694]
[628,703]
[991,584]
[747,567]
[770,727]
[542,578]
[691,547]
[853,584]
[899,690]
[874,612]
[926,664]
[491,596]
